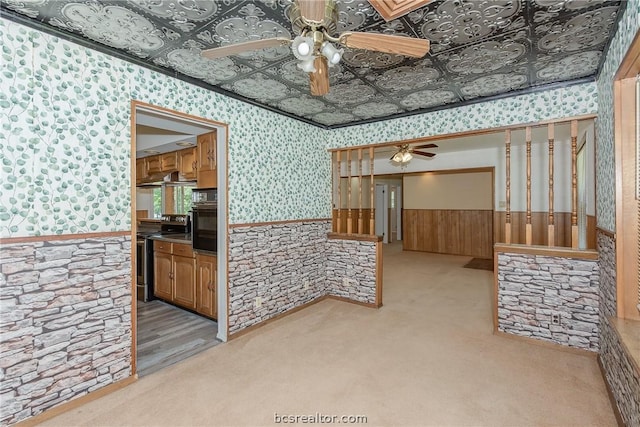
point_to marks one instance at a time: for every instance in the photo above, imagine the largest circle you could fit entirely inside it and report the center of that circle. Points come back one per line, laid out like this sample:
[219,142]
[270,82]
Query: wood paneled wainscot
[175,273]
[207,161]
[206,273]
[458,232]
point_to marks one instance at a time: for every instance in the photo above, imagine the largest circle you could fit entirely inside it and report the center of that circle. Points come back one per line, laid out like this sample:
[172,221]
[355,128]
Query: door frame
[222,144]
[385,212]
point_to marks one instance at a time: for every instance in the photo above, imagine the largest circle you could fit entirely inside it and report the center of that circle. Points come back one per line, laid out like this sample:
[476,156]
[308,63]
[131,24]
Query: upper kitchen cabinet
[169,162]
[188,163]
[207,161]
[141,170]
[154,166]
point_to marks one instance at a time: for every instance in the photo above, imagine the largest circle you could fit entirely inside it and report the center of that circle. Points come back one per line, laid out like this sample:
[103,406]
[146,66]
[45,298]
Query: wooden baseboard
[612,399]
[547,344]
[75,403]
[350,301]
[274,318]
[295,310]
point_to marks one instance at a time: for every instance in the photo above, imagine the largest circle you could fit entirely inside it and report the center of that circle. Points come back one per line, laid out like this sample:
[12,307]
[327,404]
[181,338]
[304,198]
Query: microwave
[208,195]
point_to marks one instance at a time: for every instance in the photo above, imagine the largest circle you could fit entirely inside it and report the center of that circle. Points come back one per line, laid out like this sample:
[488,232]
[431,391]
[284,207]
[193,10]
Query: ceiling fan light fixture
[307,65]
[332,54]
[406,156]
[302,47]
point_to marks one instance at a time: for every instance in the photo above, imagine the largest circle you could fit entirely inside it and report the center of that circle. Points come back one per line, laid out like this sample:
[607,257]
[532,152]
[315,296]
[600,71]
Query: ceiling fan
[315,21]
[405,152]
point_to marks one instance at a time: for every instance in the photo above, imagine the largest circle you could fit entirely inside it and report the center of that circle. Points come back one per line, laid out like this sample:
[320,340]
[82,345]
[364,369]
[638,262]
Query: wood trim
[392,9]
[379,273]
[550,221]
[351,301]
[339,186]
[60,237]
[134,246]
[496,288]
[279,316]
[360,219]
[545,251]
[528,230]
[612,399]
[540,229]
[77,402]
[372,206]
[349,218]
[451,171]
[630,66]
[507,225]
[144,105]
[288,221]
[358,237]
[469,133]
[606,232]
[574,184]
[626,212]
[548,344]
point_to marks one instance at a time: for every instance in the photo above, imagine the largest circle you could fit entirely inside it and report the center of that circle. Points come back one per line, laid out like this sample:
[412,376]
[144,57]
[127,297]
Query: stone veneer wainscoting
[623,378]
[65,321]
[532,287]
[283,263]
[351,270]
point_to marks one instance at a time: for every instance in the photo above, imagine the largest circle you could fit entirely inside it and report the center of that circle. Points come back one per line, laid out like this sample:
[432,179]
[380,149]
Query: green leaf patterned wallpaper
[605,166]
[65,142]
[557,103]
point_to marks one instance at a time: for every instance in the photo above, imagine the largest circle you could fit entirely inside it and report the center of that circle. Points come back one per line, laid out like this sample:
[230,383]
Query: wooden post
[574,184]
[528,230]
[372,221]
[551,232]
[507,225]
[360,220]
[339,220]
[349,219]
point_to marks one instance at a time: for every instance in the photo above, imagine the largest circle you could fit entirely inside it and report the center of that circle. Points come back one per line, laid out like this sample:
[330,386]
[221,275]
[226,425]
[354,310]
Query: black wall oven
[204,227]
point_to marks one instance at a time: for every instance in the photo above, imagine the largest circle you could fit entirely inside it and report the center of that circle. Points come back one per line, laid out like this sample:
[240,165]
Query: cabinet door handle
[209,286]
[170,275]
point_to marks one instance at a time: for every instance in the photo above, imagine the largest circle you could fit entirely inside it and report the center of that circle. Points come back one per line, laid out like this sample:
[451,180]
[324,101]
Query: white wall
[495,157]
[459,191]
[144,200]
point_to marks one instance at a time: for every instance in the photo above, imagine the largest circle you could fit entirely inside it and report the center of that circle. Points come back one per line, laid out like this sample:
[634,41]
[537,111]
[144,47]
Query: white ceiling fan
[316,20]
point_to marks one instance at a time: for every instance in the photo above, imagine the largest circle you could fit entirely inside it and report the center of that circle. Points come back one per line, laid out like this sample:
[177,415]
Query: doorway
[382,212]
[167,324]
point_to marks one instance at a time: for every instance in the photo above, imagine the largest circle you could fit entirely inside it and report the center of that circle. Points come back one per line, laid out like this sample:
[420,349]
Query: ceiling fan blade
[399,45]
[423,153]
[312,10]
[234,49]
[426,146]
[319,81]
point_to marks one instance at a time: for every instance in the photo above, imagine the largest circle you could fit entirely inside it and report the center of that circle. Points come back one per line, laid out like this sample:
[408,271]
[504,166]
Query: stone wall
[65,321]
[533,288]
[283,264]
[623,380]
[351,270]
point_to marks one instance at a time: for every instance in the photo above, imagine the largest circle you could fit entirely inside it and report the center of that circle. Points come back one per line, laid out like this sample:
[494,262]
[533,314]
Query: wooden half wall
[539,233]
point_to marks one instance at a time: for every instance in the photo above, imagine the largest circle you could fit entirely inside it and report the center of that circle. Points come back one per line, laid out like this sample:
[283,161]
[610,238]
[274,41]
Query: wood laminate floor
[168,334]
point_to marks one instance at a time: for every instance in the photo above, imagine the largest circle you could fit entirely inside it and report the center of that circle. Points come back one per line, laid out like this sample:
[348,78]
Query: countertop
[172,238]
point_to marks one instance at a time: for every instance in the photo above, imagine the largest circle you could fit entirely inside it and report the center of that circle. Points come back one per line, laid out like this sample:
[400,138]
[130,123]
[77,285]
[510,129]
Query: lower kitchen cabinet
[206,274]
[184,283]
[184,278]
[162,272]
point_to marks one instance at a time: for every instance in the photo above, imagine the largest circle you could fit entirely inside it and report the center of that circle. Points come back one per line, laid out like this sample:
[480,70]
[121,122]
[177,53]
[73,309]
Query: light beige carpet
[428,357]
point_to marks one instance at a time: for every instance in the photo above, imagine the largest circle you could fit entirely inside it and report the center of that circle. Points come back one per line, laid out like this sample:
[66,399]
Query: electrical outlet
[305,284]
[258,302]
[345,281]
[555,318]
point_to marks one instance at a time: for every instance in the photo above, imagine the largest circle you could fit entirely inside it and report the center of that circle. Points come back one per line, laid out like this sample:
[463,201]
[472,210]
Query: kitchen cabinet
[153,165]
[207,174]
[175,273]
[206,274]
[187,160]
[141,170]
[169,162]
[162,272]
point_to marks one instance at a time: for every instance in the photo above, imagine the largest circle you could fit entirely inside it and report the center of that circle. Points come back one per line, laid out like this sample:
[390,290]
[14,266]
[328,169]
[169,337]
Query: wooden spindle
[339,220]
[349,219]
[372,221]
[551,232]
[507,225]
[360,219]
[574,184]
[528,229]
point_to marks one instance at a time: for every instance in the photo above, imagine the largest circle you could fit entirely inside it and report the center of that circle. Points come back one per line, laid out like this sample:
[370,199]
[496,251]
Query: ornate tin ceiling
[479,49]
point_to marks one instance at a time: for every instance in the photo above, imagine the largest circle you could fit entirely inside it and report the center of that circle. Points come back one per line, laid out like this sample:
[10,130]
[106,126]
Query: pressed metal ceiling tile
[479,49]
